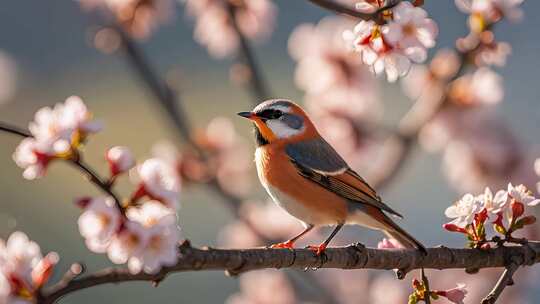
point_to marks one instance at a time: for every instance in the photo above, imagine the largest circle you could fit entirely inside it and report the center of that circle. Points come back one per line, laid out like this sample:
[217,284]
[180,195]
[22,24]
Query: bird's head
[280,120]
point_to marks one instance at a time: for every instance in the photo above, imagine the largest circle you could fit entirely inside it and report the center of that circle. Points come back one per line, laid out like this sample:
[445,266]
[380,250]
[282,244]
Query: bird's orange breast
[275,169]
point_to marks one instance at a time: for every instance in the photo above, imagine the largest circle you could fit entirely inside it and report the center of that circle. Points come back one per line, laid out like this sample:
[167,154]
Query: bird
[304,175]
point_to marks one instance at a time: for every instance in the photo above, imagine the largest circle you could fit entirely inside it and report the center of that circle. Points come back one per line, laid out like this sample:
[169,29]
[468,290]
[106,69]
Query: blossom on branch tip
[120,160]
[454,295]
[99,222]
[491,10]
[56,133]
[391,47]
[522,195]
[23,269]
[482,87]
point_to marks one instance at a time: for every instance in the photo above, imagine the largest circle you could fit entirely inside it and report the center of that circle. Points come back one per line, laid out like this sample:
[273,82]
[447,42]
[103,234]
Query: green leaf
[413,299]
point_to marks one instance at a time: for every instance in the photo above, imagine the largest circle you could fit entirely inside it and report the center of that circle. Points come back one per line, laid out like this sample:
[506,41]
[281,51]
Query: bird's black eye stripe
[270,114]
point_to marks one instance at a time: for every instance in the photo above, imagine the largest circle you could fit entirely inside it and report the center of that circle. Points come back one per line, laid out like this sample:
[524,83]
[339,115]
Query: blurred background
[47,53]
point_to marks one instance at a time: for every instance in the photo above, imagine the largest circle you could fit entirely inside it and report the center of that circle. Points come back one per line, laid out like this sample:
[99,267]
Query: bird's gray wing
[318,162]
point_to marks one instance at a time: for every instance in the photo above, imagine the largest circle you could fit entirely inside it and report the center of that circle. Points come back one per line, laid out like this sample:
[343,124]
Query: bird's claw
[284,245]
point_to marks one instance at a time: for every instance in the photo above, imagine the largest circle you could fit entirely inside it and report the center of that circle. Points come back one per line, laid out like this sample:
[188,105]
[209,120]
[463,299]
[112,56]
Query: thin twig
[427,293]
[350,257]
[504,280]
[76,161]
[351,12]
[259,87]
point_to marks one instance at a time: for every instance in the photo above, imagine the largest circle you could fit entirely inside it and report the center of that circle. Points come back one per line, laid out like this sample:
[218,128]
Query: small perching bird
[305,176]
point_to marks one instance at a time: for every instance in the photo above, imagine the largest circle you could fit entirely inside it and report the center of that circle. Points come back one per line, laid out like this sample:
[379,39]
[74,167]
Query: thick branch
[351,257]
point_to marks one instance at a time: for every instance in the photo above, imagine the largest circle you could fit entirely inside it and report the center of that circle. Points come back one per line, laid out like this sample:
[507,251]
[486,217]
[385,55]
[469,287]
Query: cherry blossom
[99,222]
[332,77]
[389,244]
[493,204]
[128,241]
[160,241]
[23,269]
[157,180]
[522,195]
[214,28]
[492,10]
[482,87]
[139,17]
[463,210]
[120,160]
[391,47]
[33,156]
[56,132]
[455,295]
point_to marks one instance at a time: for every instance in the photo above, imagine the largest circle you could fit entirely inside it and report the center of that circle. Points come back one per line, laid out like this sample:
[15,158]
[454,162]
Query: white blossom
[159,179]
[99,222]
[463,210]
[521,194]
[120,159]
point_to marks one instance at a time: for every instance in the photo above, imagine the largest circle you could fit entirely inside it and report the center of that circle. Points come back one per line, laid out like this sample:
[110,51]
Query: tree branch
[352,12]
[258,87]
[77,162]
[351,257]
[504,280]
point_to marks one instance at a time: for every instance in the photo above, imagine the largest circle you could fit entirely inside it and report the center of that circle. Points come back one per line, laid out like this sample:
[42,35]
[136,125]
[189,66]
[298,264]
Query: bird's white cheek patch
[281,129]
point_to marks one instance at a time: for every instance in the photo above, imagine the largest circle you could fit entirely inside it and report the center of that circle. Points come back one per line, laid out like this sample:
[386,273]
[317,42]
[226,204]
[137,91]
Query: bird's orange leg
[318,250]
[290,243]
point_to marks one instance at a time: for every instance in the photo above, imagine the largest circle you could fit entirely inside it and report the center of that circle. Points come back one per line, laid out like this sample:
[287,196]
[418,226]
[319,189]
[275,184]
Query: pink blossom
[159,242]
[214,30]
[23,269]
[482,87]
[492,10]
[389,244]
[139,17]
[493,204]
[99,222]
[522,195]
[33,156]
[463,210]
[75,116]
[390,48]
[157,180]
[120,160]
[332,77]
[455,295]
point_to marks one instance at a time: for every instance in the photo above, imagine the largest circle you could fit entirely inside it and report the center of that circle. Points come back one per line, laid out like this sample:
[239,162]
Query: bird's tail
[403,237]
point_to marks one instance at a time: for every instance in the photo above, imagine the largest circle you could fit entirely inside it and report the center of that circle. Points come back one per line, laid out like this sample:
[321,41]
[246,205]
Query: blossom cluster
[143,232]
[23,269]
[56,133]
[505,210]
[139,17]
[214,29]
[390,47]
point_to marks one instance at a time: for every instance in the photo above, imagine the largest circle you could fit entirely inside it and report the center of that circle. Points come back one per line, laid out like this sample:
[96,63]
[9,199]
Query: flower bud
[454,228]
[120,160]
[517,209]
[43,270]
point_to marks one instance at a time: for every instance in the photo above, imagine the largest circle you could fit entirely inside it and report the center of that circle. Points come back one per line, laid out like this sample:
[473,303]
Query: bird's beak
[248,115]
